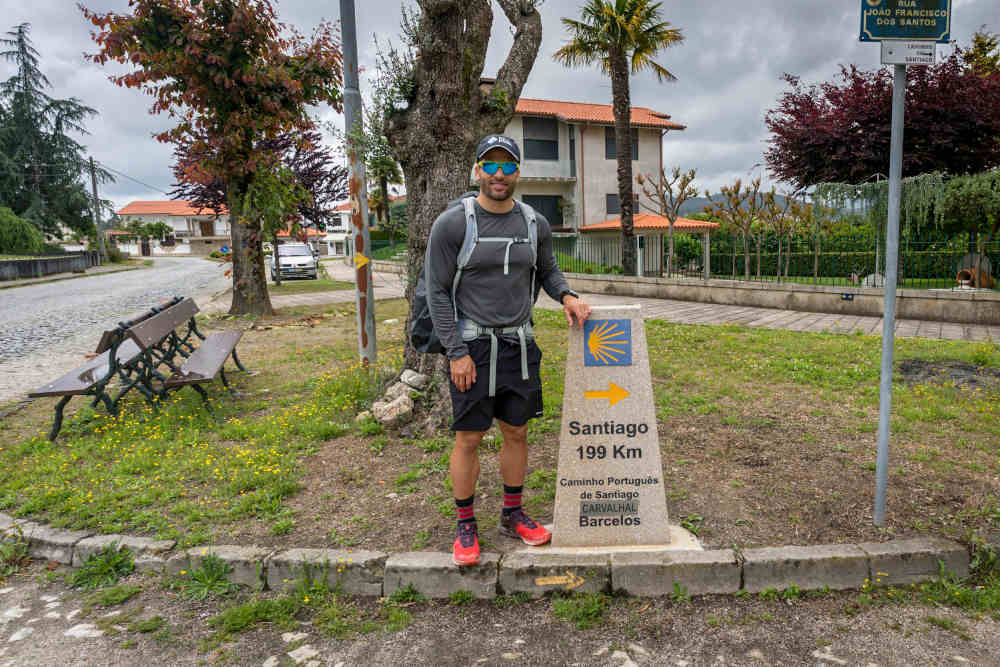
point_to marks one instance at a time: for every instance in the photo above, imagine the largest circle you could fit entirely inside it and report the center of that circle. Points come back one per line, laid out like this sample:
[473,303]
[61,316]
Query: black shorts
[516,401]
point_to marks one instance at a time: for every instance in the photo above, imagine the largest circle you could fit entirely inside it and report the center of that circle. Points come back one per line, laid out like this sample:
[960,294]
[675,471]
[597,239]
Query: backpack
[422,334]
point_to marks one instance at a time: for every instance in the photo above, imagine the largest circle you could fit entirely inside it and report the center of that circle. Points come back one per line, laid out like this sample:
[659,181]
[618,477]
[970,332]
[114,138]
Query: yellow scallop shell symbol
[607,343]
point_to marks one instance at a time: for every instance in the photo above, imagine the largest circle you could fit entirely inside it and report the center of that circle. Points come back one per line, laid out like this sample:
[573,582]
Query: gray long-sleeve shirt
[485,295]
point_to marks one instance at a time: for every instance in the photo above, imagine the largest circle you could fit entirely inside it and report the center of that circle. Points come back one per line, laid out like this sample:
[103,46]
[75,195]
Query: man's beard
[488,191]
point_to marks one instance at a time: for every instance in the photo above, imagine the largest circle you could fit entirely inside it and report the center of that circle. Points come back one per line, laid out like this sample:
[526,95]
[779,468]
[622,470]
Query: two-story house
[568,167]
[196,231]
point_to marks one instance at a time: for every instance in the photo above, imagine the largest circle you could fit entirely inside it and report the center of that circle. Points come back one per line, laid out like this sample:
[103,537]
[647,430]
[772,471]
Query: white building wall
[600,175]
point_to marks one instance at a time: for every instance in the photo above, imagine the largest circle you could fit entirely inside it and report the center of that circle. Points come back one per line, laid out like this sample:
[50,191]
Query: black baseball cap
[491,141]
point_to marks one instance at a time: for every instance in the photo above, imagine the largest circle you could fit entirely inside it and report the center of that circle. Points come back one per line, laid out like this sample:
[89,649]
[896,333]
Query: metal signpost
[908,31]
[364,297]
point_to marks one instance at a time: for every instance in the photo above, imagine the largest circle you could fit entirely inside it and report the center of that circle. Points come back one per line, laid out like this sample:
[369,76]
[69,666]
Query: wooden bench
[153,352]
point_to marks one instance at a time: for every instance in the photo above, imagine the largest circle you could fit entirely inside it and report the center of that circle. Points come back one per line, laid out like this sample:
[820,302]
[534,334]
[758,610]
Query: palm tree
[622,36]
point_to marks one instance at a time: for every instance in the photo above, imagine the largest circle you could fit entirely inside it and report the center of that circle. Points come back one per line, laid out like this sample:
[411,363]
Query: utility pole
[364,296]
[94,212]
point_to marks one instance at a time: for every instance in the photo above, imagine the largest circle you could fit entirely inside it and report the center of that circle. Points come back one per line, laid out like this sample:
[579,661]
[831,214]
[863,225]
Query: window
[610,146]
[614,206]
[541,138]
[548,206]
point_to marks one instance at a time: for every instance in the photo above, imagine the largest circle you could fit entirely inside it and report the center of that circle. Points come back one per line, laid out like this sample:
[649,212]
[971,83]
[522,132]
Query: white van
[296,260]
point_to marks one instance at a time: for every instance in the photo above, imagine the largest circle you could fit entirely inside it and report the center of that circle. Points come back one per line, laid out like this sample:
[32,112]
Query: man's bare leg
[464,466]
[513,453]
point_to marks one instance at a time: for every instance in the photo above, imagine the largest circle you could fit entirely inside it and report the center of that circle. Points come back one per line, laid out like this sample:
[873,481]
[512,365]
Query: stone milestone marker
[609,488]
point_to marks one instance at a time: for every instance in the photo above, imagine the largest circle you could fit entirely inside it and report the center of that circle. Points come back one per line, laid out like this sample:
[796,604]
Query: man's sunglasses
[491,168]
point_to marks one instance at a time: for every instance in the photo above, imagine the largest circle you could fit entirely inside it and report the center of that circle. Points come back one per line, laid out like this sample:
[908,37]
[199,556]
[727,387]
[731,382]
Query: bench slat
[205,362]
[78,381]
[151,331]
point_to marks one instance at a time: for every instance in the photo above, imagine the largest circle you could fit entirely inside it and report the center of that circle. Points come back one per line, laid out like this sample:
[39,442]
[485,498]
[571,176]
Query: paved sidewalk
[391,286]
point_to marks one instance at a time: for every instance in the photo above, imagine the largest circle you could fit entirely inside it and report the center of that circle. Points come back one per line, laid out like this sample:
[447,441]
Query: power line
[136,180]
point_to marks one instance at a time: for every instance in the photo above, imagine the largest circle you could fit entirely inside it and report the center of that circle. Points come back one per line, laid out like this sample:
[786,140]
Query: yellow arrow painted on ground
[360,260]
[570,581]
[614,394]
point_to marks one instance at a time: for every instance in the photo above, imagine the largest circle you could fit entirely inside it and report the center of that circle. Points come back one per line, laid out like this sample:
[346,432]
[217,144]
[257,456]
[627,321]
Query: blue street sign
[912,20]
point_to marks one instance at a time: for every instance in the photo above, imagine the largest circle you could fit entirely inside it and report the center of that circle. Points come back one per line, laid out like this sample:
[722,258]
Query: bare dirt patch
[959,373]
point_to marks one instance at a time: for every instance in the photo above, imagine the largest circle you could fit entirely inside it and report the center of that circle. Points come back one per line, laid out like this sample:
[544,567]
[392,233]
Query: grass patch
[209,579]
[148,625]
[584,610]
[181,473]
[307,286]
[103,568]
[113,596]
[279,611]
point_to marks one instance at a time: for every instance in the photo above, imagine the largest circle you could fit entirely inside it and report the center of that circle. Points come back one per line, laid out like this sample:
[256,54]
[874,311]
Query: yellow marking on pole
[360,260]
[614,394]
[570,581]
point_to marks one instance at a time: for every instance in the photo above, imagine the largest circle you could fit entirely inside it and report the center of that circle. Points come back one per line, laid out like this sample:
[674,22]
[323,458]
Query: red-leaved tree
[839,131]
[233,77]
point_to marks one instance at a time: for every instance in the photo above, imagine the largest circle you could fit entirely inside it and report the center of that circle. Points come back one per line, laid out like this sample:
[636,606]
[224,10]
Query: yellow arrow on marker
[614,394]
[570,581]
[360,260]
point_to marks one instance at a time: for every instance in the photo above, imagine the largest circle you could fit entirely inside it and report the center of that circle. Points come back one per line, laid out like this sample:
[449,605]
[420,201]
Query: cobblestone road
[46,329]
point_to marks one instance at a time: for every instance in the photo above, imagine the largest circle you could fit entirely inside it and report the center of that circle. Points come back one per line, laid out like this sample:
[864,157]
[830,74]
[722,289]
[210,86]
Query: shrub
[18,236]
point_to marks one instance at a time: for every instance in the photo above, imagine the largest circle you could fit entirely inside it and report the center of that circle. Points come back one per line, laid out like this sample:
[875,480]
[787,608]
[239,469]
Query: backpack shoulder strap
[531,220]
[468,245]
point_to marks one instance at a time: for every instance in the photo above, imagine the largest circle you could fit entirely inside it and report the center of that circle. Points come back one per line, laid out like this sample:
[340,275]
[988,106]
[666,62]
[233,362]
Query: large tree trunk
[622,107]
[250,295]
[434,138]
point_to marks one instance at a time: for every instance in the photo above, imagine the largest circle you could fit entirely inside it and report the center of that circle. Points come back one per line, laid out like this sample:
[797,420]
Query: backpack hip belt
[471,331]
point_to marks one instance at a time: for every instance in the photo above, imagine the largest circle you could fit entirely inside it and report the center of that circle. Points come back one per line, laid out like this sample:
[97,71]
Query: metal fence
[837,260]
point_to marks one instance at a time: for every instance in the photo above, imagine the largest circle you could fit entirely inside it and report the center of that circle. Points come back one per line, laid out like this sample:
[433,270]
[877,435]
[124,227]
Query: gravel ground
[45,329]
[44,623]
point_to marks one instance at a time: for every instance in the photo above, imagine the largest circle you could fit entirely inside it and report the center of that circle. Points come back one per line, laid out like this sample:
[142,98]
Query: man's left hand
[576,310]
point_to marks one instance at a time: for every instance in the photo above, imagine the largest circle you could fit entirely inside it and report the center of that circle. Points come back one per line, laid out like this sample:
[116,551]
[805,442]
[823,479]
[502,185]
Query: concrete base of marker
[681,539]
[354,573]
[435,575]
[148,555]
[912,561]
[837,566]
[542,571]
[646,573]
[247,563]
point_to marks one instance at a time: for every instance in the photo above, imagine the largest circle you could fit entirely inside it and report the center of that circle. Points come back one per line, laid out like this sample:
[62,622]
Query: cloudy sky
[728,68]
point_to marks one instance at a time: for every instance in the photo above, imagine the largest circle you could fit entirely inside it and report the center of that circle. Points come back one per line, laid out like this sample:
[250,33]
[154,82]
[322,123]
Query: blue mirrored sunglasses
[490,168]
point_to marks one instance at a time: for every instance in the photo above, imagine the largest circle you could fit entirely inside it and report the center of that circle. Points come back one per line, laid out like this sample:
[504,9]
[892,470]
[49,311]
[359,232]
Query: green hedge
[912,264]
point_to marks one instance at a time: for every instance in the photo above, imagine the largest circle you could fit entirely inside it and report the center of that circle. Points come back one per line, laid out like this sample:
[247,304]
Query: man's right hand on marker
[463,372]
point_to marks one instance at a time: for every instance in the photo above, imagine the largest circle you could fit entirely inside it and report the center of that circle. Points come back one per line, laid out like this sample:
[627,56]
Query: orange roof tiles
[177,207]
[308,231]
[649,221]
[601,114]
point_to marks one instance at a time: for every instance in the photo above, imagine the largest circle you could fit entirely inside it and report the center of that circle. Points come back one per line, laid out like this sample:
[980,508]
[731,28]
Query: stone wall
[14,269]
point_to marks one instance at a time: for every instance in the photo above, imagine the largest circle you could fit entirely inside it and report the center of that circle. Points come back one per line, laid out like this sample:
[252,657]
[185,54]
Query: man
[486,333]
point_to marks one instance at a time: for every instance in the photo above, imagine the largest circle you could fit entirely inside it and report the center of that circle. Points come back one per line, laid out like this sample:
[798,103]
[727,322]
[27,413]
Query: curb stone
[434,575]
[149,555]
[644,574]
[54,544]
[247,563]
[916,560]
[650,573]
[839,566]
[354,573]
[520,572]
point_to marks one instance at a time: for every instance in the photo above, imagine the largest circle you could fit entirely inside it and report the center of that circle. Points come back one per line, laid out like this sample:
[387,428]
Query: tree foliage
[738,209]
[17,235]
[232,77]
[622,37]
[839,131]
[43,172]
